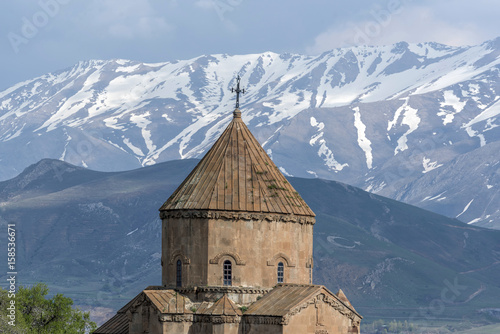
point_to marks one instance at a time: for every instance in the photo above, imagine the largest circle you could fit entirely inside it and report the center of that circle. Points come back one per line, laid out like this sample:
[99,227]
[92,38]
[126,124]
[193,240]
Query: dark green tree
[36,314]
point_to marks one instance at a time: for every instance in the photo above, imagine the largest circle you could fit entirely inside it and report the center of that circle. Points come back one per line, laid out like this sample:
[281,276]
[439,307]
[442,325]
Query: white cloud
[205,4]
[222,8]
[142,27]
[411,24]
[127,19]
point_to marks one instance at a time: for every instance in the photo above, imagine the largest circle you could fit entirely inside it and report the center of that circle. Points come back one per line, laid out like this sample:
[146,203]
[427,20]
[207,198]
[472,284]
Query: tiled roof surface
[116,325]
[282,299]
[236,174]
[203,307]
[167,301]
[343,298]
[223,306]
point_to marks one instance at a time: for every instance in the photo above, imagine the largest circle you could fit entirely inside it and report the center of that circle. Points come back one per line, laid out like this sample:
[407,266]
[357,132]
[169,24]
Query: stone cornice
[223,289]
[165,317]
[234,215]
[263,320]
[217,319]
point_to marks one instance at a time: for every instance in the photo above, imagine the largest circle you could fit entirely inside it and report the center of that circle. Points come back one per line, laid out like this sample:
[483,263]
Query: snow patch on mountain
[13,134]
[474,221]
[135,149]
[324,151]
[452,102]
[472,133]
[142,122]
[487,114]
[411,119]
[428,165]
[112,122]
[376,188]
[131,232]
[363,142]
[128,69]
[451,74]
[465,209]
[438,197]
[68,140]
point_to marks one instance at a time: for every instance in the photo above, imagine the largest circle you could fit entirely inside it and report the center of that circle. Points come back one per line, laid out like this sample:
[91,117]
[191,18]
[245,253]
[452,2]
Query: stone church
[237,253]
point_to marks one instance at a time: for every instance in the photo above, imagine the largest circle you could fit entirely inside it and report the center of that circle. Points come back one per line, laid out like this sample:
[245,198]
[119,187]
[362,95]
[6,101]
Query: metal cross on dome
[238,91]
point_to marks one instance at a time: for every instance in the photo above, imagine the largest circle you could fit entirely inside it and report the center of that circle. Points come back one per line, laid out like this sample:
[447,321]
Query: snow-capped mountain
[414,122]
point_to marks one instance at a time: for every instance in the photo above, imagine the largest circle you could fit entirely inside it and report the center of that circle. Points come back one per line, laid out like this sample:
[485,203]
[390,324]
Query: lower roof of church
[280,302]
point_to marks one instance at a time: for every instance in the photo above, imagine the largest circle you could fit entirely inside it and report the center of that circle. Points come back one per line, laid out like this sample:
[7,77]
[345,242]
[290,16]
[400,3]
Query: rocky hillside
[95,237]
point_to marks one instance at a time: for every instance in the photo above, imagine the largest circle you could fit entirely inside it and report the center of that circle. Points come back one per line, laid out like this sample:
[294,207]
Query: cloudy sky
[40,36]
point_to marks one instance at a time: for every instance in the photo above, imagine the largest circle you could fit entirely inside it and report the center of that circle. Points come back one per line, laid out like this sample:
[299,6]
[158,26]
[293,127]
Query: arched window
[281,272]
[178,278]
[228,273]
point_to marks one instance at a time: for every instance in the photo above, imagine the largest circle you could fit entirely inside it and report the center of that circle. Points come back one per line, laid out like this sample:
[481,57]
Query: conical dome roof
[236,174]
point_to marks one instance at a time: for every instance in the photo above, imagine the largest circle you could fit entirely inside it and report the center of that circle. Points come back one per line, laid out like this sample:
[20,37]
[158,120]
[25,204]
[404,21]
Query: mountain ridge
[388,119]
